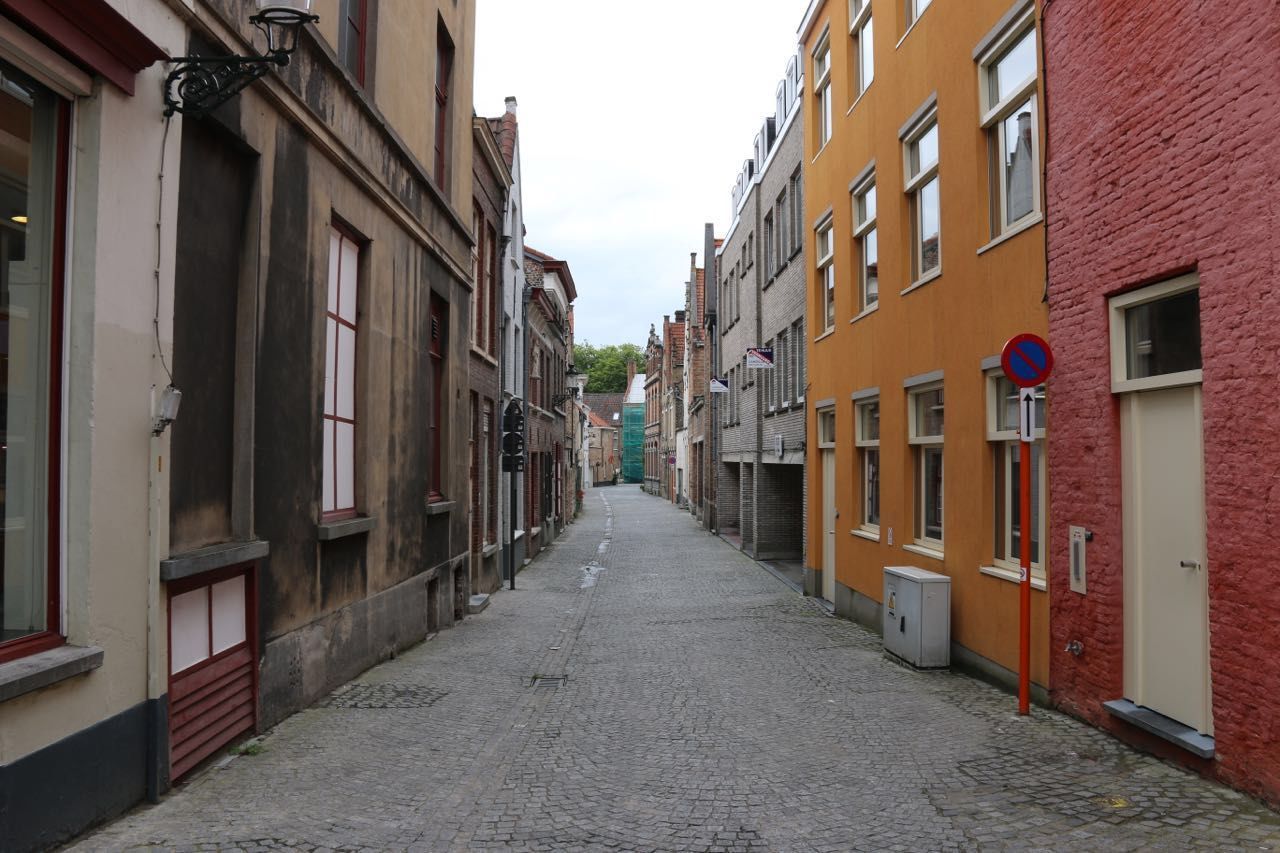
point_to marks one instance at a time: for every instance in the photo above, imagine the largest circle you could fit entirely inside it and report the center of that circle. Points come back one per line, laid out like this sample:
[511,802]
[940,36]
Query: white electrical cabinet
[917,616]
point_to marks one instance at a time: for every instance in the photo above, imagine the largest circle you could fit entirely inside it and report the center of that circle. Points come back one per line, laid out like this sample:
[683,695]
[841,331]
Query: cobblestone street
[703,706]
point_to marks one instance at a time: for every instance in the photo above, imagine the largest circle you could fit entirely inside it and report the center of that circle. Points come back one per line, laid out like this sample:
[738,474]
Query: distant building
[633,414]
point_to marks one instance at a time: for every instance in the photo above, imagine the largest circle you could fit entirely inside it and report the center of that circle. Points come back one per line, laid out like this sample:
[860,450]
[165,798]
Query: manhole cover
[385,695]
[552,681]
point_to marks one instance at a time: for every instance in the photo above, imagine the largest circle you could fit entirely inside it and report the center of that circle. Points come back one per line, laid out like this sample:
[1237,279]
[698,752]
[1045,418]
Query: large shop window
[33,156]
[340,378]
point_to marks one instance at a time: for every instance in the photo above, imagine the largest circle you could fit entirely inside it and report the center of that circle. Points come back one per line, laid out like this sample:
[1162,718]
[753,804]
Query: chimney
[511,104]
[631,374]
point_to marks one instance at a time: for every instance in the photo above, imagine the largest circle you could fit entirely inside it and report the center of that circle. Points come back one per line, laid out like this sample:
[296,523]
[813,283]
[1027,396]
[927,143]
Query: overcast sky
[635,119]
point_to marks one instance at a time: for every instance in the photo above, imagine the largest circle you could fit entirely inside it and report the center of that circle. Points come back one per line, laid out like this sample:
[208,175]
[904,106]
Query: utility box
[917,616]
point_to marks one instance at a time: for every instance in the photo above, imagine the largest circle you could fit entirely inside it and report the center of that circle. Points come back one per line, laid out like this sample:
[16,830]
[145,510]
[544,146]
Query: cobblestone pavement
[704,706]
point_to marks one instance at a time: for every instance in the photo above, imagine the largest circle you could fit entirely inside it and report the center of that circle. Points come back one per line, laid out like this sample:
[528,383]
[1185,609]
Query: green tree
[606,366]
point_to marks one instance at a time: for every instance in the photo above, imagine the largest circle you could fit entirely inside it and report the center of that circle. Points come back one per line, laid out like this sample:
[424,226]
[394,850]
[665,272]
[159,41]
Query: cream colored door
[829,524]
[1166,612]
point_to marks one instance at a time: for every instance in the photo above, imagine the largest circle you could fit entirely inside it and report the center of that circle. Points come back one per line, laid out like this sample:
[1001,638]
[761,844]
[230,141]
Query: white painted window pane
[1019,165]
[1014,68]
[930,214]
[188,629]
[327,503]
[335,241]
[346,379]
[347,292]
[330,341]
[871,268]
[228,614]
[867,52]
[925,151]
[345,481]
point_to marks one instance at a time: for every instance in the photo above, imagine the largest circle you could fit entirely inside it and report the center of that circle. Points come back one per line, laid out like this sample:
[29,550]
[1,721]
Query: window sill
[489,550]
[484,356]
[866,312]
[858,99]
[1012,575]
[828,333]
[871,535]
[535,531]
[924,551]
[916,285]
[209,559]
[1012,232]
[330,530]
[28,674]
[909,29]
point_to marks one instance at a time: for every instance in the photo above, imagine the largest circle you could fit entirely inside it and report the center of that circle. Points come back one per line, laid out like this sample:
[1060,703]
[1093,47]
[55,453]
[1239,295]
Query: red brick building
[1163,156]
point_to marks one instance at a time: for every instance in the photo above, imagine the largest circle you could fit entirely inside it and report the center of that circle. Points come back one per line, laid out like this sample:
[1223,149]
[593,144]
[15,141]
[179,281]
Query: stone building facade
[654,387]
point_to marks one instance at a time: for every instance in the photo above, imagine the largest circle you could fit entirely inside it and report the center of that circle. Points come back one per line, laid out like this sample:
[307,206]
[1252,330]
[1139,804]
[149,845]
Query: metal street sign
[1026,360]
[719,386]
[759,358]
[1027,414]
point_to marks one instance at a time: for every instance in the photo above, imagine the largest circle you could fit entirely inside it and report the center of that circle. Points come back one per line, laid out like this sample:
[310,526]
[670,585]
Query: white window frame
[994,114]
[779,366]
[922,445]
[824,245]
[864,445]
[771,384]
[1117,306]
[1004,444]
[916,8]
[821,63]
[800,360]
[864,225]
[862,33]
[826,427]
[914,183]
[770,253]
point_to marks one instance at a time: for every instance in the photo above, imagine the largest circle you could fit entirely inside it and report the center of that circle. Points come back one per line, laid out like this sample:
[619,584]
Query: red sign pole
[1024,543]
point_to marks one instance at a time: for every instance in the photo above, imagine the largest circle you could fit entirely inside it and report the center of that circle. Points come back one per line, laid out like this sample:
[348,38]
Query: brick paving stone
[704,706]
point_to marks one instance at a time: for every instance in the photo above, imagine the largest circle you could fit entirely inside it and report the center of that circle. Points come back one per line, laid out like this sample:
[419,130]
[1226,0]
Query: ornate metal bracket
[199,84]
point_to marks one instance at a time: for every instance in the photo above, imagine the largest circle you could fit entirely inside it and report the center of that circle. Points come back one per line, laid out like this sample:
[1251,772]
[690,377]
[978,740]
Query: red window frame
[345,235]
[479,298]
[436,352]
[444,75]
[52,636]
[494,266]
[356,28]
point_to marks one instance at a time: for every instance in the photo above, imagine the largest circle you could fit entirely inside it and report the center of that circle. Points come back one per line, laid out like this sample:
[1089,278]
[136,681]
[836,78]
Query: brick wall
[1164,151]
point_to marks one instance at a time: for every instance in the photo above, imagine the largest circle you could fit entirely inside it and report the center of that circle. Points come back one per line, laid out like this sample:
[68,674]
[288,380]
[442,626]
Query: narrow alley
[647,687]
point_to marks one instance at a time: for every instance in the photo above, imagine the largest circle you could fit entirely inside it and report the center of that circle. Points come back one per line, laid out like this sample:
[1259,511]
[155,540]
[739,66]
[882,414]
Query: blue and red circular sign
[1026,360]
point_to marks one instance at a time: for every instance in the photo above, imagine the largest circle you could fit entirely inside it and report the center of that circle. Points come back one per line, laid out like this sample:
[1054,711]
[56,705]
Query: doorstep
[1162,727]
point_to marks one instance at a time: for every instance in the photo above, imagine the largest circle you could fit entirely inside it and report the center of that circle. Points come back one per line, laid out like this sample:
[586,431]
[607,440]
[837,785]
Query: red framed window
[479,263]
[444,79]
[492,291]
[341,340]
[33,211]
[436,355]
[353,24]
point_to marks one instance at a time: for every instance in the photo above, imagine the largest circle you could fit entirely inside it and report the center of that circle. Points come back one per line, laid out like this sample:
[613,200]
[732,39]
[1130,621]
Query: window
[920,153]
[780,363]
[340,377]
[478,301]
[864,231]
[784,227]
[925,413]
[1002,433]
[436,355]
[796,186]
[353,18]
[915,8]
[827,275]
[822,89]
[770,256]
[444,75]
[827,428]
[1155,336]
[867,443]
[1008,94]
[864,68]
[771,383]
[797,341]
[35,125]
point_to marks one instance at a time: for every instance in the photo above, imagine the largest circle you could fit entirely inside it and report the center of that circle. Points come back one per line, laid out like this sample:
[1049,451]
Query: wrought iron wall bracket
[199,84]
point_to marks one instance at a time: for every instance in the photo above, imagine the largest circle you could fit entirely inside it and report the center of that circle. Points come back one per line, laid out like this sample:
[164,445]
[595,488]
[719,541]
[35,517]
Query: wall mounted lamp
[198,84]
[166,409]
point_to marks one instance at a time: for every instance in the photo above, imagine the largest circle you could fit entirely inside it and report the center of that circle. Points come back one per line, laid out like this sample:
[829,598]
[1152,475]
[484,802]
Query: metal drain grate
[385,695]
[552,681]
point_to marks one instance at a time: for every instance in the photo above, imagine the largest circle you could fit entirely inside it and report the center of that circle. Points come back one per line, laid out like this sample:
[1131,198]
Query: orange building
[923,212]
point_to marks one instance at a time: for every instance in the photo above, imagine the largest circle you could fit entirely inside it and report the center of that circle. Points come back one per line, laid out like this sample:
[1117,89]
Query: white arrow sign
[1027,409]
